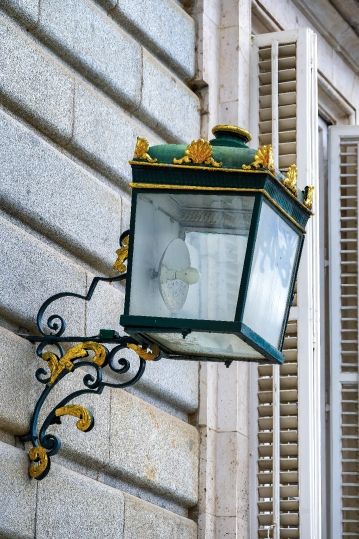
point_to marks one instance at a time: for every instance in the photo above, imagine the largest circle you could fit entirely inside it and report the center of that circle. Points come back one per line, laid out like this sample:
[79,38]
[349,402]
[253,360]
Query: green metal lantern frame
[263,185]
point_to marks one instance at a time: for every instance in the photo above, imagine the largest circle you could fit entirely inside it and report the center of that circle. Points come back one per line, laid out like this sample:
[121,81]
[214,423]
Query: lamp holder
[91,354]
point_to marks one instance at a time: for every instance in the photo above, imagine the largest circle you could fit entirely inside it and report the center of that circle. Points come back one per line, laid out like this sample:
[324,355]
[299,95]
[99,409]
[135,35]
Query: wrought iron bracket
[91,353]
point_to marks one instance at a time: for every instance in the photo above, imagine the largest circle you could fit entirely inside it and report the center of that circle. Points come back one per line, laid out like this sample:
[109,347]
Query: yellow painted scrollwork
[122,255]
[309,196]
[57,365]
[263,159]
[38,454]
[141,150]
[290,180]
[85,421]
[198,152]
[142,352]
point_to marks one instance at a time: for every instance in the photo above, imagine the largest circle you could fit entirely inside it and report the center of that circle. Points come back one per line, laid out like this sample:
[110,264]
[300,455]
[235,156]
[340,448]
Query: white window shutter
[343,236]
[285,402]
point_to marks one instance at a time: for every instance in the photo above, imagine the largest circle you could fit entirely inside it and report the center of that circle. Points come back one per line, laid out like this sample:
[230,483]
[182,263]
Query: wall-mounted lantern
[213,250]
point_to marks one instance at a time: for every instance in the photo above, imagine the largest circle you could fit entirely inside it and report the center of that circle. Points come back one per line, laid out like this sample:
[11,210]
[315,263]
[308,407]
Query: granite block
[93,44]
[146,521]
[163,28]
[155,449]
[169,107]
[57,197]
[25,11]
[17,494]
[76,507]
[17,383]
[34,85]
[104,136]
[175,381]
[31,272]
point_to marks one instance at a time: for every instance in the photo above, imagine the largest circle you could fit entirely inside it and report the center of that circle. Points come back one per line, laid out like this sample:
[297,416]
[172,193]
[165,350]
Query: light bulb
[188,275]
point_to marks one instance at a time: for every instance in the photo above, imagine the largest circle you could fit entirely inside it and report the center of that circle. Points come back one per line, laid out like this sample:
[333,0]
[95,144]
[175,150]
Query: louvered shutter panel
[343,221]
[285,448]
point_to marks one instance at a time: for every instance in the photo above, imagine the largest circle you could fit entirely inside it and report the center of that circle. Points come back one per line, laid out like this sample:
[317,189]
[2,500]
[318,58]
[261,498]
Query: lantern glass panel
[270,281]
[217,345]
[174,231]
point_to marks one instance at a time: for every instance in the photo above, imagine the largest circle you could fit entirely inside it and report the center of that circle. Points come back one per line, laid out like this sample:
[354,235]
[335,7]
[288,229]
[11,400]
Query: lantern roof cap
[228,151]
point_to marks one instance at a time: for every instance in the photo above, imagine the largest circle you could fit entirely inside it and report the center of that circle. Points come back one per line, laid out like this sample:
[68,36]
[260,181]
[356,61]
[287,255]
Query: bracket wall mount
[89,353]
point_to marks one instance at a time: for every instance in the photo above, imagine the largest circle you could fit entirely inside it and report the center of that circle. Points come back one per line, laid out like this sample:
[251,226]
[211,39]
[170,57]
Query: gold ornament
[38,454]
[308,196]
[85,421]
[263,159]
[57,365]
[198,152]
[122,255]
[290,180]
[142,352]
[141,150]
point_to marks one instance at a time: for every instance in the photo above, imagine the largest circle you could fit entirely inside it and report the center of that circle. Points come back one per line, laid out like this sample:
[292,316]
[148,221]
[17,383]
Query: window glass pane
[174,232]
[271,275]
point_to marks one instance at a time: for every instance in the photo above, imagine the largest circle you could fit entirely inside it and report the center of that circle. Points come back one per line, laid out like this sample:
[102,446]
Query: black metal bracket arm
[91,353]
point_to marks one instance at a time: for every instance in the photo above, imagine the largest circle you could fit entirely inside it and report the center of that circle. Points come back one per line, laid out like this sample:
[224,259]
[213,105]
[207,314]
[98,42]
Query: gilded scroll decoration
[122,255]
[290,180]
[198,152]
[141,150]
[57,365]
[142,352]
[39,455]
[85,422]
[263,159]
[45,444]
[309,196]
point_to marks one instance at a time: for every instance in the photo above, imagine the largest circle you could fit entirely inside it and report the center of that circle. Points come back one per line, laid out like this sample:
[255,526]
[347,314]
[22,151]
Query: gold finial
[308,196]
[233,129]
[141,150]
[290,180]
[263,159]
[198,152]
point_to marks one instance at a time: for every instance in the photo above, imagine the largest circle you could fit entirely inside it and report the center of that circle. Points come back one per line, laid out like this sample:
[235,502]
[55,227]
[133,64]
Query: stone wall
[79,80]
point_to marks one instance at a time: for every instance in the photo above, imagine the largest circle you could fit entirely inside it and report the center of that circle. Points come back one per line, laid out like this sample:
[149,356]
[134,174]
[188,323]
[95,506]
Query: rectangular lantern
[215,241]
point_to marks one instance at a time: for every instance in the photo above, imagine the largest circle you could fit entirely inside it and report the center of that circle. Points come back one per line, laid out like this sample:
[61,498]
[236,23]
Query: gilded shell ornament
[198,152]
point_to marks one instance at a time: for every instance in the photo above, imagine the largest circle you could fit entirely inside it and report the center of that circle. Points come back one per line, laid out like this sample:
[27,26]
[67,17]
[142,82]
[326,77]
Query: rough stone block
[155,449]
[170,108]
[25,11]
[31,272]
[146,521]
[73,506]
[104,136]
[17,494]
[34,84]
[162,27]
[17,383]
[57,197]
[175,381]
[93,44]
